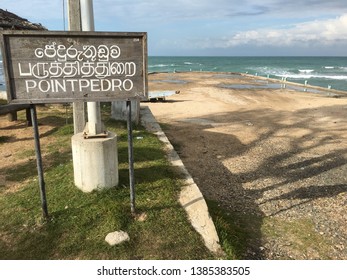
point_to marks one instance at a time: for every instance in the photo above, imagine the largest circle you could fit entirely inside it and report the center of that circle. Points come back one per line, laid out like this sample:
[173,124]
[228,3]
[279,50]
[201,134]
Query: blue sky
[213,27]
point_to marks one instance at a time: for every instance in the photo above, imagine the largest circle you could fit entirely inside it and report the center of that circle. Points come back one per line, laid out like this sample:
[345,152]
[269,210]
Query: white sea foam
[188,63]
[329,67]
[158,65]
[296,76]
[306,71]
[317,76]
[337,77]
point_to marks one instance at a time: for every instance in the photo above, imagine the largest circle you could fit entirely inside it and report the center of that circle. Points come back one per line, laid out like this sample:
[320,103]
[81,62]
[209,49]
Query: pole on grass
[39,162]
[131,157]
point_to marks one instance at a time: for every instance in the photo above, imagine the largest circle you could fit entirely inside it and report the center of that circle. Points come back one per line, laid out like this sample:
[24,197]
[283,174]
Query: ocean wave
[306,71]
[329,67]
[162,65]
[188,63]
[295,76]
[158,65]
[317,76]
[337,77]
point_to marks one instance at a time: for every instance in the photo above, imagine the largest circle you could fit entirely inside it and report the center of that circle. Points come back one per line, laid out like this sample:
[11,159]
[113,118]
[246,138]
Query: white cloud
[206,24]
[164,10]
[206,9]
[326,32]
[222,9]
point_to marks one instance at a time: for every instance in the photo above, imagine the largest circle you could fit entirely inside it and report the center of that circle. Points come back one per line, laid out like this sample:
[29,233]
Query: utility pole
[95,158]
[74,16]
[94,126]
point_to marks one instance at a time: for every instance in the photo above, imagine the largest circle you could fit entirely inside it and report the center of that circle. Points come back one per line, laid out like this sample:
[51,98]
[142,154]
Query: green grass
[237,232]
[25,154]
[78,222]
[5,139]
[243,233]
[300,235]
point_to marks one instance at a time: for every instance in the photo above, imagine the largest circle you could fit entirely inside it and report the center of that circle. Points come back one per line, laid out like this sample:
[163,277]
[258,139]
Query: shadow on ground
[265,163]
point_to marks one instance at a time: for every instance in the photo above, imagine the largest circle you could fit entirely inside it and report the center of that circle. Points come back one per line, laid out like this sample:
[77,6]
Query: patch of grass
[165,126]
[22,172]
[242,236]
[237,232]
[79,222]
[5,139]
[26,154]
[65,130]
[300,235]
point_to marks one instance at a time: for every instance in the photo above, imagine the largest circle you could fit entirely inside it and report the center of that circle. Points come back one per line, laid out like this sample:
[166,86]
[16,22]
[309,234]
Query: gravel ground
[275,154]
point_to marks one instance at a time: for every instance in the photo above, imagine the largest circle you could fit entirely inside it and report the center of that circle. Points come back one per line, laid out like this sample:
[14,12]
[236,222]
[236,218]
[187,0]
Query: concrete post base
[95,162]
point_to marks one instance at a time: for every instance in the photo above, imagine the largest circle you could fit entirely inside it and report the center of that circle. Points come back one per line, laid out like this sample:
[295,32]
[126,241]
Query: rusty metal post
[131,158]
[28,117]
[39,162]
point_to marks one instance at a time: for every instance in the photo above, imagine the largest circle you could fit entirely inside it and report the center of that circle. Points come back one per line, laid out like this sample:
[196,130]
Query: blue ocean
[318,71]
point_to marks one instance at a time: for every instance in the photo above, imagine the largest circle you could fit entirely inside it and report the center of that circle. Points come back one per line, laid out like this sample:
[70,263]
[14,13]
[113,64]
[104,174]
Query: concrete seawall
[191,197]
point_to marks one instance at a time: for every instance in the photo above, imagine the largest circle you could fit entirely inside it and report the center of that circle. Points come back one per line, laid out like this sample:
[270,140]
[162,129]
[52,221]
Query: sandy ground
[262,151]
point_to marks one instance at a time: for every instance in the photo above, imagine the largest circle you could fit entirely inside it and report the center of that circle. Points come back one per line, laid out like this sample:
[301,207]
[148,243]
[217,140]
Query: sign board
[60,67]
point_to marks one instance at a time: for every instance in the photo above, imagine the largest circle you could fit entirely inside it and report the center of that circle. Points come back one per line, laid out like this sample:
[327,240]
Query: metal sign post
[131,158]
[39,162]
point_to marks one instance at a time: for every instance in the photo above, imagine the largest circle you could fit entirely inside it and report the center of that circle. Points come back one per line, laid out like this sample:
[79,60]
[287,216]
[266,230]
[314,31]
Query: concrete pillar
[119,111]
[95,162]
[11,117]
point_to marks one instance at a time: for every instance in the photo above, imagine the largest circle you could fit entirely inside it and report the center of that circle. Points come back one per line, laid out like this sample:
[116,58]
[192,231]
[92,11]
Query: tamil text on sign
[65,67]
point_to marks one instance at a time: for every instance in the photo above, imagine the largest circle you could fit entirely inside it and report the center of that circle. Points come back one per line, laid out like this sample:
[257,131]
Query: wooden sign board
[60,67]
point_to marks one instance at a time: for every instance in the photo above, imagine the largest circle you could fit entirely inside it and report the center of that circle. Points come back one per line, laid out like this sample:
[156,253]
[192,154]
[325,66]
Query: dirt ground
[17,147]
[261,150]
